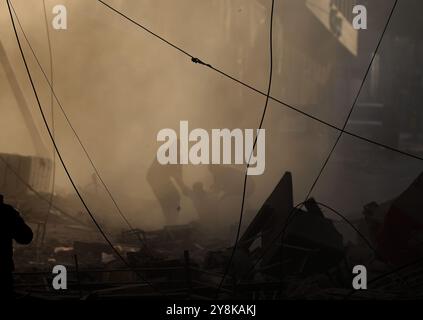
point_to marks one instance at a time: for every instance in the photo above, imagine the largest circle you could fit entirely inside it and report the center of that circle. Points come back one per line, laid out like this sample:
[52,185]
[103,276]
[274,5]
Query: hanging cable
[357,96]
[368,243]
[363,81]
[53,182]
[289,106]
[341,130]
[117,253]
[97,173]
[295,209]
[252,151]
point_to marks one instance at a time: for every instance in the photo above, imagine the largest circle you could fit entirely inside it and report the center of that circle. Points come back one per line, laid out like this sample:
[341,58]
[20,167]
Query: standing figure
[12,227]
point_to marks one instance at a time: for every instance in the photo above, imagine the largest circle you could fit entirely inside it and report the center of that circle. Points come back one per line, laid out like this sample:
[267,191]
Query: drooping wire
[279,101]
[269,88]
[363,81]
[146,29]
[357,96]
[201,62]
[53,182]
[106,238]
[295,209]
[367,241]
[72,127]
[343,130]
[382,145]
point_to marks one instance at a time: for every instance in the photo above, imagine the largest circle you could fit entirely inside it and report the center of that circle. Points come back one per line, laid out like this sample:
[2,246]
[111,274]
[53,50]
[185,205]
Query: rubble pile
[287,251]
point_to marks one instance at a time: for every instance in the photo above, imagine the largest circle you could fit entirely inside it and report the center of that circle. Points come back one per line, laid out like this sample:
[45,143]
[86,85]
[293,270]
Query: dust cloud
[120,85]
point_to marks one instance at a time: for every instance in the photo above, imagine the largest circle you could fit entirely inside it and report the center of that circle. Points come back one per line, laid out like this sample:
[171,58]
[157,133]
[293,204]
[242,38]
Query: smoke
[120,86]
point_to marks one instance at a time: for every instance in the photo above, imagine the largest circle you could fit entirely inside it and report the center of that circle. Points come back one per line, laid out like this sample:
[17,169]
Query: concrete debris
[286,251]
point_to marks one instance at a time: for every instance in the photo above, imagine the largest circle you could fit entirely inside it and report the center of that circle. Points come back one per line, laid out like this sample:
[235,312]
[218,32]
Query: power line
[291,214]
[60,156]
[382,145]
[148,30]
[363,81]
[295,209]
[199,61]
[196,60]
[53,182]
[368,243]
[265,250]
[342,131]
[71,126]
[252,151]
[226,75]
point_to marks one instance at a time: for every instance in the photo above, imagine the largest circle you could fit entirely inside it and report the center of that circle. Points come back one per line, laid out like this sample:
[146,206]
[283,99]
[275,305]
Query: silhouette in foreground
[12,227]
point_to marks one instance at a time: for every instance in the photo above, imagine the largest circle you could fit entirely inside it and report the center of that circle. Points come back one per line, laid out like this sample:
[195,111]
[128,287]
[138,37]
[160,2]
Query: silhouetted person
[12,227]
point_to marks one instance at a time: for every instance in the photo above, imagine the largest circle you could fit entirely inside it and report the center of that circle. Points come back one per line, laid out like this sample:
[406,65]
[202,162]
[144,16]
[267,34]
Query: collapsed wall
[18,172]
